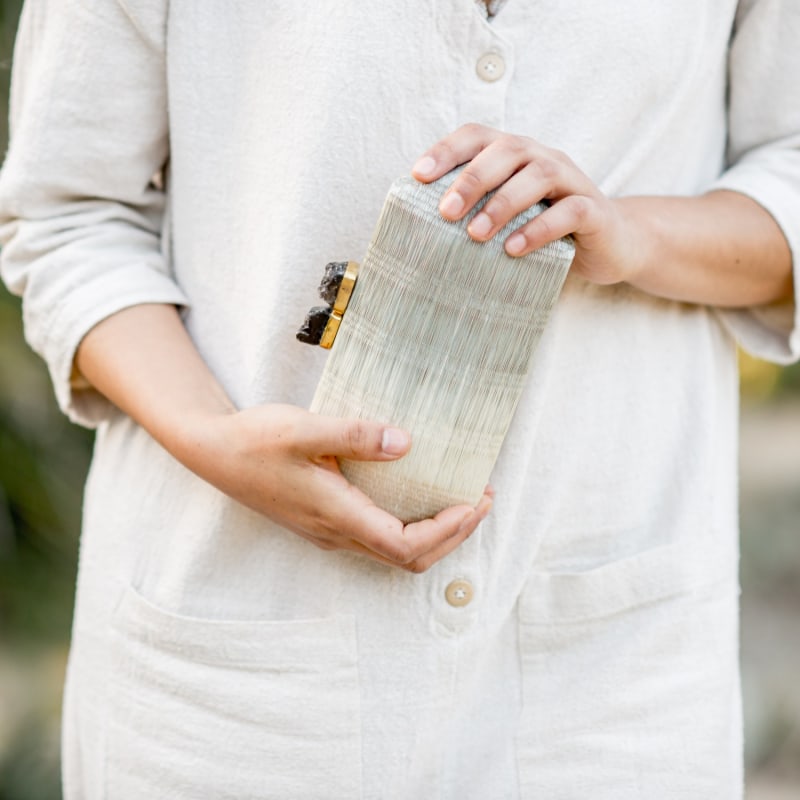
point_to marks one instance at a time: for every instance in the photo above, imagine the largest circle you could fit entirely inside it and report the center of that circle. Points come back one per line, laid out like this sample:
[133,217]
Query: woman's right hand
[280,460]
[276,459]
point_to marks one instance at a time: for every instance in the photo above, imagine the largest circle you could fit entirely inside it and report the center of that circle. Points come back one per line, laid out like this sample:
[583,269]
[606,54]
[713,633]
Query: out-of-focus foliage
[762,381]
[43,462]
[9,14]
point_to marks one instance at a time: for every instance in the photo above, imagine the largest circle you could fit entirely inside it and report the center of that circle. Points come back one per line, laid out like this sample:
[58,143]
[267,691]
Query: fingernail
[394,441]
[451,204]
[425,166]
[481,225]
[515,244]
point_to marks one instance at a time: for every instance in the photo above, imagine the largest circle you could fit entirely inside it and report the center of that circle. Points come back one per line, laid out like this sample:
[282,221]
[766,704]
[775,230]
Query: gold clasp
[340,305]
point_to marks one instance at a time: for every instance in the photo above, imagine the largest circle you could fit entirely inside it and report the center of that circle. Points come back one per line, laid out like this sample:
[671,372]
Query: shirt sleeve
[81,214]
[764,156]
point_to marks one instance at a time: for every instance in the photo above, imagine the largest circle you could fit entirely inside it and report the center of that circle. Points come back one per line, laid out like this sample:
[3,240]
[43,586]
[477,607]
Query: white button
[491,67]
[459,593]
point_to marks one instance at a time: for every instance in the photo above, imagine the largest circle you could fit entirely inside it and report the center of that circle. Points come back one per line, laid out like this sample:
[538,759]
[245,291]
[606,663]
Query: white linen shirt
[216,655]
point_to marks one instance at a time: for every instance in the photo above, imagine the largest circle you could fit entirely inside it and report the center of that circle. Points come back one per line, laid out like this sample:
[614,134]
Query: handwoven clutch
[437,339]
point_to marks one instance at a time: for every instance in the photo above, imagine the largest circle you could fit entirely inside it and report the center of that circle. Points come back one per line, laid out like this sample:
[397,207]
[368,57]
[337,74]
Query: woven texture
[437,339]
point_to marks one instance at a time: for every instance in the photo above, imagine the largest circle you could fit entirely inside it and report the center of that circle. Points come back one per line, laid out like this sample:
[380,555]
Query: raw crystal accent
[329,287]
[314,324]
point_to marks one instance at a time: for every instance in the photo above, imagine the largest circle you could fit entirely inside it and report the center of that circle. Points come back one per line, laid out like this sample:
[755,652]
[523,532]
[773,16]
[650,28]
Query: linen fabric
[176,152]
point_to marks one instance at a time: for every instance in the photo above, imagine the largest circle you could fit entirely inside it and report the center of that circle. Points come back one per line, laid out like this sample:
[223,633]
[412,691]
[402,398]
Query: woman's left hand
[720,248]
[524,172]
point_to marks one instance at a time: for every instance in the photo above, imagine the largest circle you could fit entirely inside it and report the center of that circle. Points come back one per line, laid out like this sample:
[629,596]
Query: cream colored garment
[214,654]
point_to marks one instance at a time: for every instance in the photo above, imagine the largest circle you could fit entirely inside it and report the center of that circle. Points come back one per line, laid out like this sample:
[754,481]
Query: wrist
[199,437]
[638,237]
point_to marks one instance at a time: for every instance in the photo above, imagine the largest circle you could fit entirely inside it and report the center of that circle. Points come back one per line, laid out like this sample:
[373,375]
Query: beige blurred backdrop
[43,462]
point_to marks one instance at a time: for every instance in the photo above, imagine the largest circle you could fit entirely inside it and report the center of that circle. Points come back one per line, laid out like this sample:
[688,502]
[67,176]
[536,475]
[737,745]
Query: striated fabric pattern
[214,654]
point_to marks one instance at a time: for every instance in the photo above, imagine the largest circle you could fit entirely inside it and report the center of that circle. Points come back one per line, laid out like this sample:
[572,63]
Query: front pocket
[630,679]
[649,576]
[218,709]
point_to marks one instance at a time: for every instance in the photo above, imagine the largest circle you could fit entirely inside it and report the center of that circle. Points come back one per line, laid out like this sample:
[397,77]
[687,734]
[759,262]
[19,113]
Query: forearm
[143,360]
[720,249]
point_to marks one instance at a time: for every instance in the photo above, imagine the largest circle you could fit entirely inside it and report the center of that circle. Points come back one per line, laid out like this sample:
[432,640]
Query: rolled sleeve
[764,156]
[80,215]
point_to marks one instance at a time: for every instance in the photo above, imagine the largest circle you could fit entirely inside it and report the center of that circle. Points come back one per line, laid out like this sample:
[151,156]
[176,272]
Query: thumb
[357,439]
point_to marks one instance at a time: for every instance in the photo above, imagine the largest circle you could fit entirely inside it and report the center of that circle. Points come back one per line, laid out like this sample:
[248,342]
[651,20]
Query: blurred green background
[43,463]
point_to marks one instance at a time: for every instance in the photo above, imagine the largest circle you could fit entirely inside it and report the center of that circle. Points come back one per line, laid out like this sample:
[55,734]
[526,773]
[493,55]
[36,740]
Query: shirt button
[459,593]
[490,67]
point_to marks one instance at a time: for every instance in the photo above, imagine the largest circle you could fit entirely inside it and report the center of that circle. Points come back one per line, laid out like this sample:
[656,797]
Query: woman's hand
[525,172]
[720,248]
[276,459]
[280,460]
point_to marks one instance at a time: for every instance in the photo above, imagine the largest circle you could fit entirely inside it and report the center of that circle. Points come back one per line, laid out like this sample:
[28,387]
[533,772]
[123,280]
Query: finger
[424,562]
[345,514]
[324,543]
[444,532]
[349,520]
[380,532]
[352,520]
[573,214]
[489,169]
[537,180]
[452,540]
[358,440]
[545,177]
[418,538]
[356,547]
[466,529]
[459,147]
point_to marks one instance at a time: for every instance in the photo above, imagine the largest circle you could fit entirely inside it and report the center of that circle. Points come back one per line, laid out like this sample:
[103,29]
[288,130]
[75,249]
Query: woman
[248,624]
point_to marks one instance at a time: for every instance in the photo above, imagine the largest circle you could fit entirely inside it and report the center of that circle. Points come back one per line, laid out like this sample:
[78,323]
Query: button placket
[491,67]
[455,589]
[459,593]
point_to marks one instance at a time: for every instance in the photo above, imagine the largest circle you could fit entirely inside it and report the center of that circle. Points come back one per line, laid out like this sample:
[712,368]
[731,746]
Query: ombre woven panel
[437,339]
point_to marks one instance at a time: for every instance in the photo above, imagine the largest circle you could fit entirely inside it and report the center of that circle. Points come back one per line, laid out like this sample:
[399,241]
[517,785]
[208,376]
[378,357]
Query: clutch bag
[434,335]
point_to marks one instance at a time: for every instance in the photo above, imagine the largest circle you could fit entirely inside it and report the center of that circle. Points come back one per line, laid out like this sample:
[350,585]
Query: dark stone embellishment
[314,324]
[329,287]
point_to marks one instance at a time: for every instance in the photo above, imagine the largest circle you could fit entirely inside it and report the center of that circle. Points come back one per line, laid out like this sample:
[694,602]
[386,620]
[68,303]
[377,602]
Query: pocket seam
[265,643]
[654,574]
